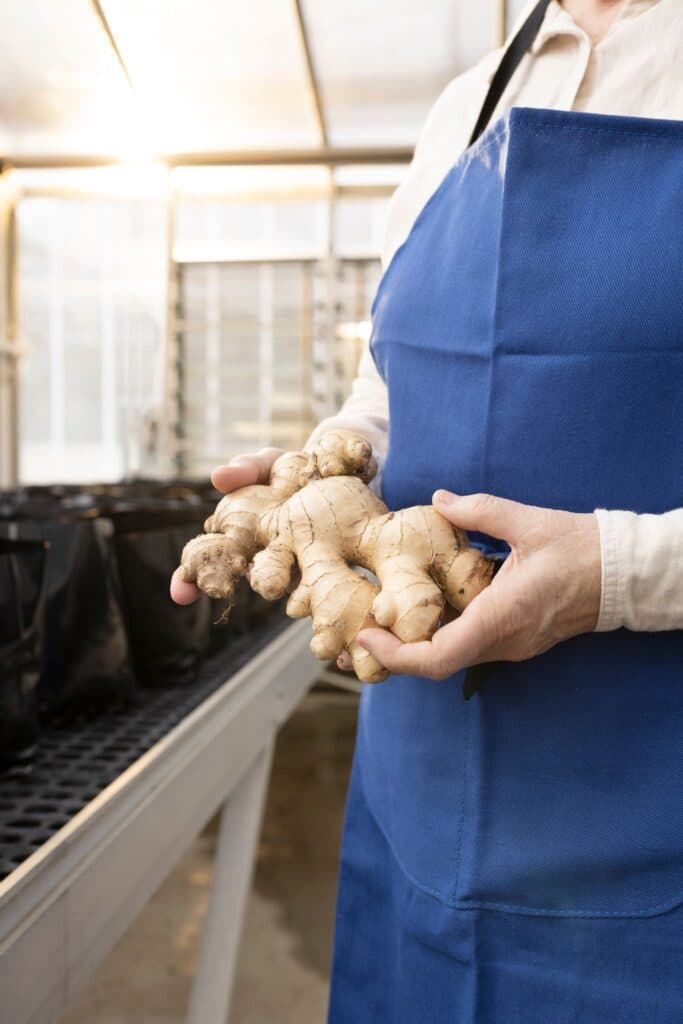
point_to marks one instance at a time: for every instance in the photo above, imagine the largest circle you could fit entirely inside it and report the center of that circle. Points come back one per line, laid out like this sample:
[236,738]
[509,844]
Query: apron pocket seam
[495,906]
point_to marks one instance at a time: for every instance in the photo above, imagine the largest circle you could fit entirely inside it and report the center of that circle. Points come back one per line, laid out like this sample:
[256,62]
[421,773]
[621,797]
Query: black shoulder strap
[508,65]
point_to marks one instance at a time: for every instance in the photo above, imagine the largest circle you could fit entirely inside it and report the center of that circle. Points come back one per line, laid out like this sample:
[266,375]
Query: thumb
[498,517]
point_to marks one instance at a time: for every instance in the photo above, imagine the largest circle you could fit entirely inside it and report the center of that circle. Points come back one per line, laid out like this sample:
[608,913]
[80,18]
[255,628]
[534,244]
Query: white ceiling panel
[216,74]
[61,89]
[382,64]
[221,75]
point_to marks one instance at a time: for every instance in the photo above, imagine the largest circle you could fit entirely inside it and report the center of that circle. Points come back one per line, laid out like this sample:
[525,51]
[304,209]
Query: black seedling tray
[79,757]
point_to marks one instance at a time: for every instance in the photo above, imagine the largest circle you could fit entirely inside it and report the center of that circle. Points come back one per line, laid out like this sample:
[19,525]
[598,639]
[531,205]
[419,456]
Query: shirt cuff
[611,598]
[642,569]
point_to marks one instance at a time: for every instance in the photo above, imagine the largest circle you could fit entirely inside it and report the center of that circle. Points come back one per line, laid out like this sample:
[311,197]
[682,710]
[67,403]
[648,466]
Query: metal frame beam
[257,196]
[334,156]
[106,28]
[10,348]
[313,79]
[501,23]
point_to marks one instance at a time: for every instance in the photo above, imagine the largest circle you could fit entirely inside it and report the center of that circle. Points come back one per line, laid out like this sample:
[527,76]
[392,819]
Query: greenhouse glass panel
[242,229]
[92,286]
[359,225]
[61,89]
[244,337]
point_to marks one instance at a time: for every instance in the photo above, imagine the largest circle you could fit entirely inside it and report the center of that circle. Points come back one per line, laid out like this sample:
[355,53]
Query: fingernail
[443,498]
[241,461]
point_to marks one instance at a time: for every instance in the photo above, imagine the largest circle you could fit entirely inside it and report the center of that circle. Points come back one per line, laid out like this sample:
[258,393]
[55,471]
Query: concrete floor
[285,956]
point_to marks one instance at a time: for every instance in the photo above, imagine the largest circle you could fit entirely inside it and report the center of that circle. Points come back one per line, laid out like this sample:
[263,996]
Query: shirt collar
[558,22]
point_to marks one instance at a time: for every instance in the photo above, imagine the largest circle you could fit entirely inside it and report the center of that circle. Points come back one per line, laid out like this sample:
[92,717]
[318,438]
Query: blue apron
[518,859]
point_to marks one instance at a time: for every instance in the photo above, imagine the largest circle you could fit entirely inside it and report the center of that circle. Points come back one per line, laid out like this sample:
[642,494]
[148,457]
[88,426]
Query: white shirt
[636,69]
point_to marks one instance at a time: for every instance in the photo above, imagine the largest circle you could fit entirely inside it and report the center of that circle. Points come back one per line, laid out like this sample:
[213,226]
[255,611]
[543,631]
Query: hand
[241,471]
[546,591]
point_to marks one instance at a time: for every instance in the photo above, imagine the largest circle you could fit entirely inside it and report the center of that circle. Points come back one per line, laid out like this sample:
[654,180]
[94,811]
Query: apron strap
[508,65]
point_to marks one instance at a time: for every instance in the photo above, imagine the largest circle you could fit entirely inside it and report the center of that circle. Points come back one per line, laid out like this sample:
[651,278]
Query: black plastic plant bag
[140,505]
[144,495]
[168,642]
[229,621]
[86,663]
[22,596]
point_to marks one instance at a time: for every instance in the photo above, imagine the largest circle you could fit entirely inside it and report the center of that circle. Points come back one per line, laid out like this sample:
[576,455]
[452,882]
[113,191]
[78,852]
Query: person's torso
[530,332]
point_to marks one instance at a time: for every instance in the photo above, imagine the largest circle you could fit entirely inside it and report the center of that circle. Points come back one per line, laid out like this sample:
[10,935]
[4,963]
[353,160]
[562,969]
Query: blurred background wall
[192,201]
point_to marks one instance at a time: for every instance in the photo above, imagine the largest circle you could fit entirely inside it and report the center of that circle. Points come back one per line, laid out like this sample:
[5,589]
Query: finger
[244,470]
[498,517]
[403,659]
[183,592]
[344,662]
[461,643]
[231,478]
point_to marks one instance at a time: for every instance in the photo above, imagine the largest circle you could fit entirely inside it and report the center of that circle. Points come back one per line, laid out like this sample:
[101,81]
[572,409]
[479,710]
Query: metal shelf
[63,908]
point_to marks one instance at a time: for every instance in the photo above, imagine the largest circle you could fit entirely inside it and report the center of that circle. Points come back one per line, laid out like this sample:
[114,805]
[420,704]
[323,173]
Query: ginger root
[311,525]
